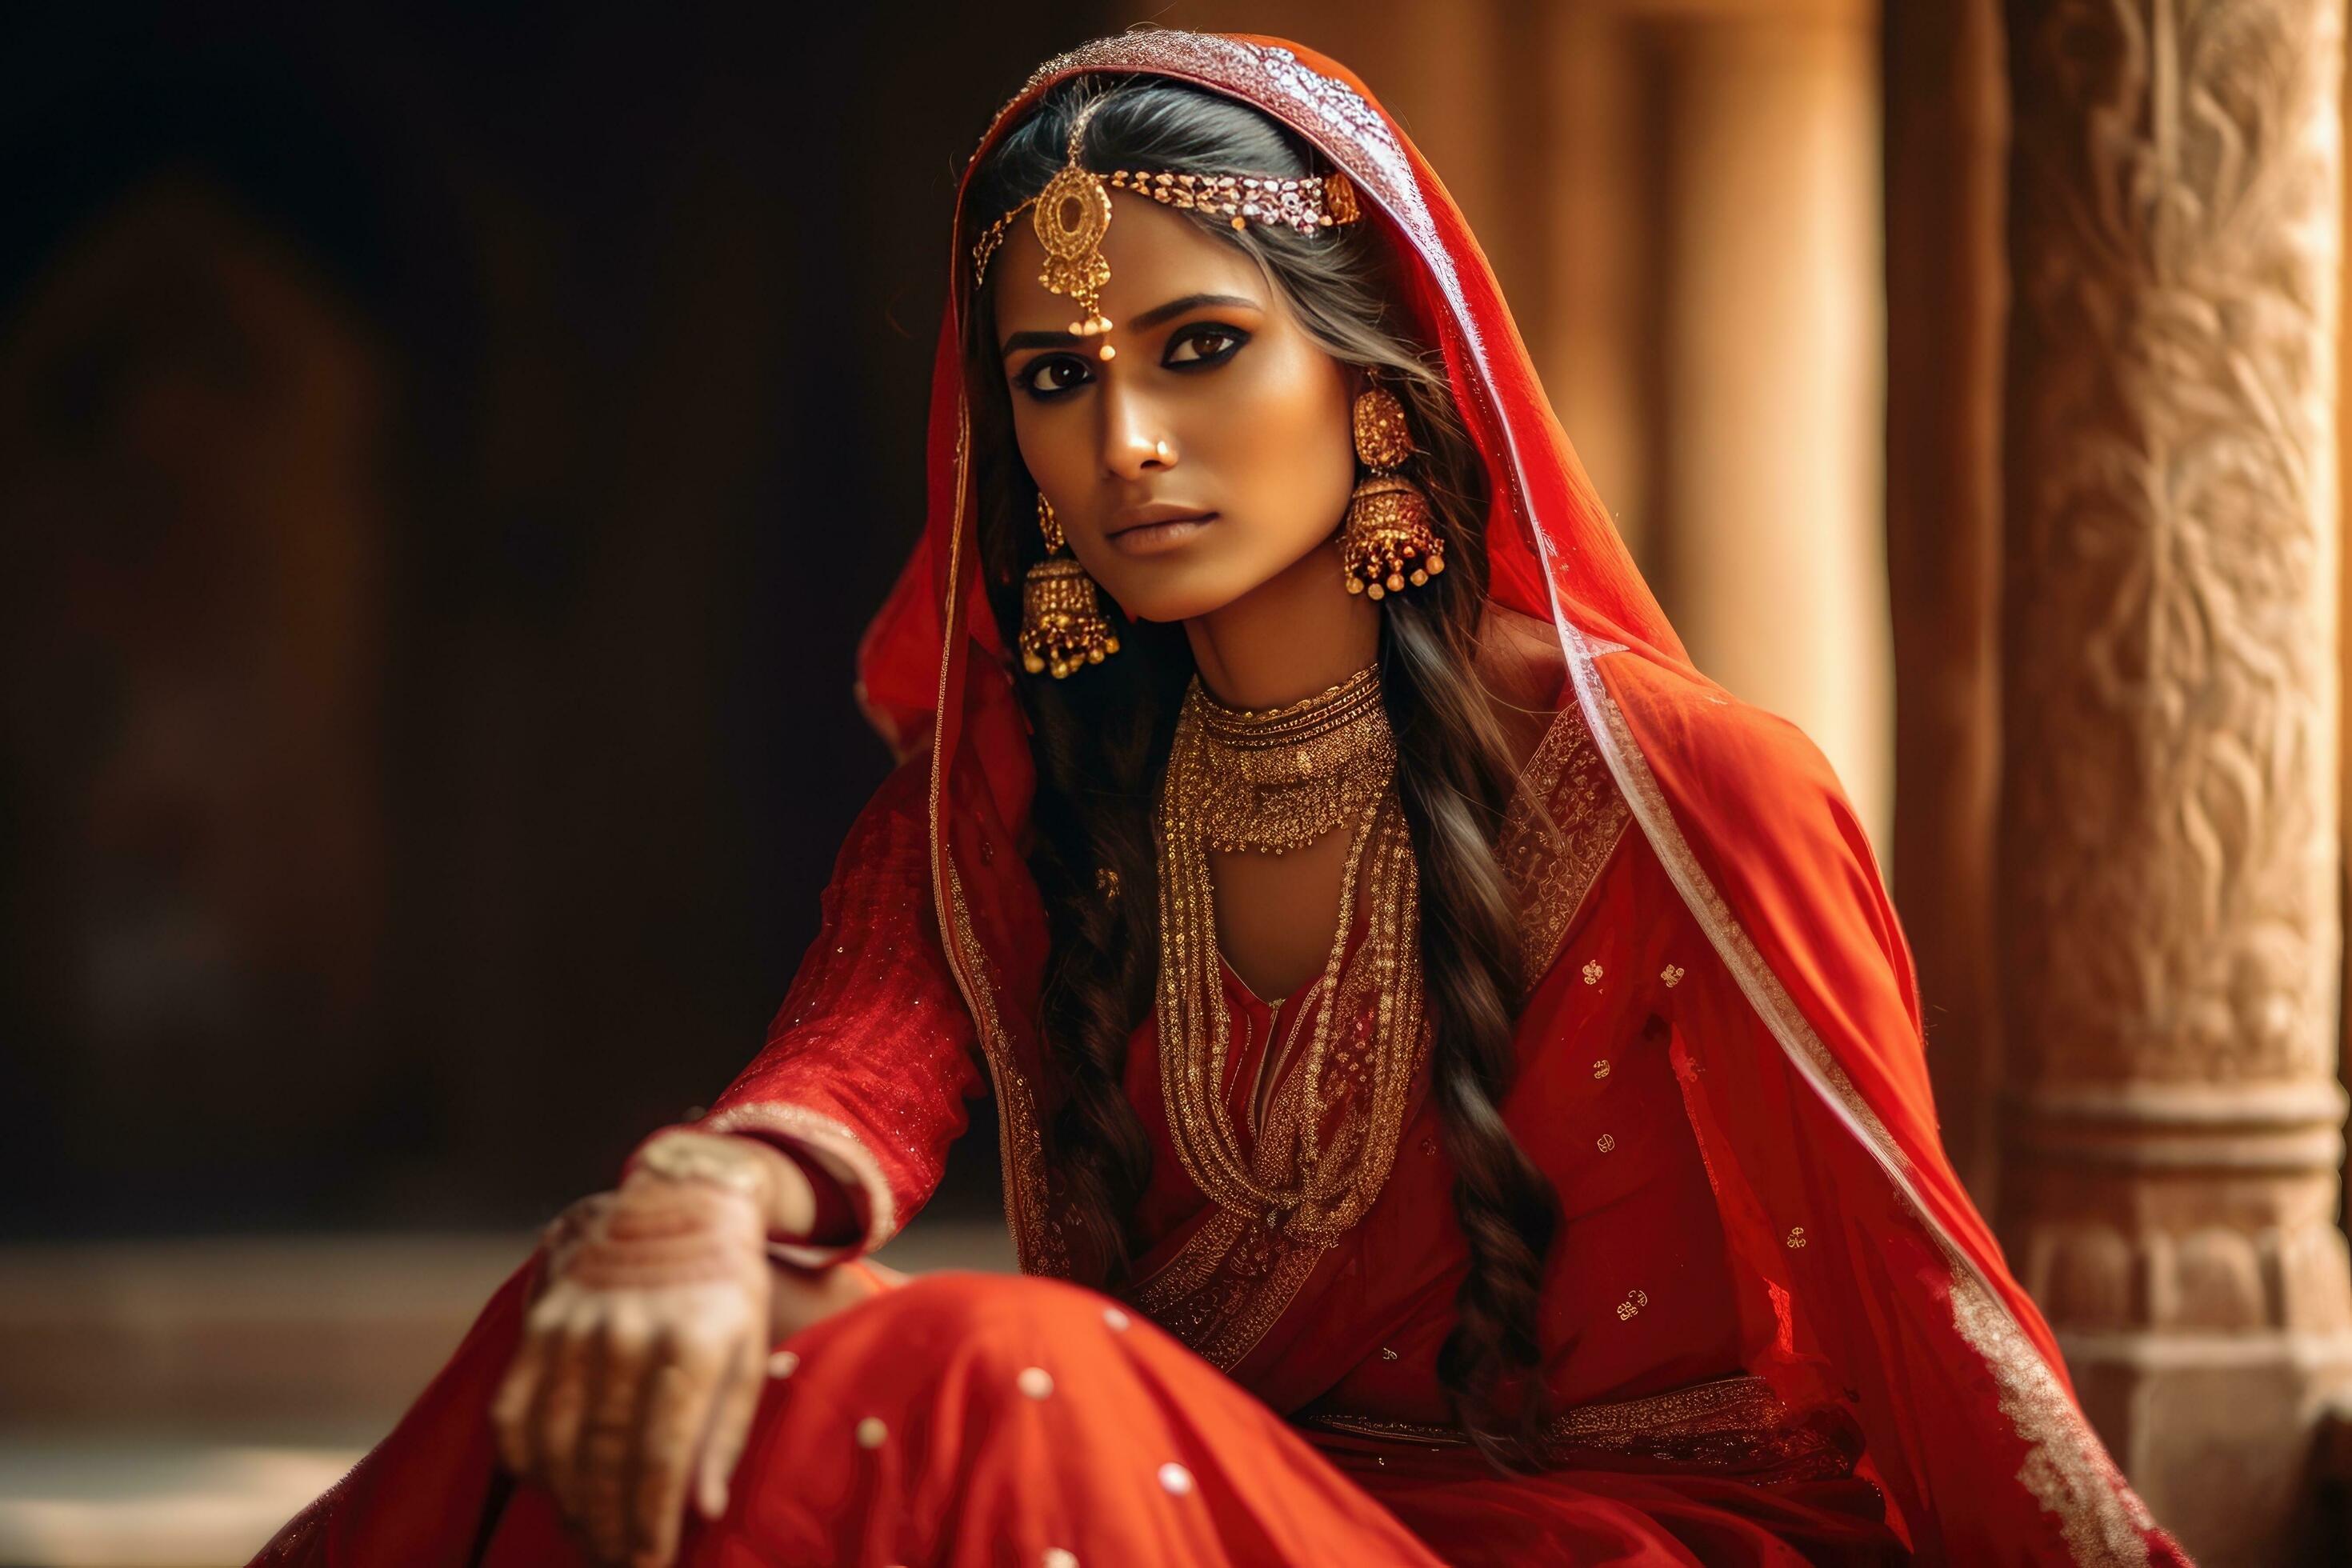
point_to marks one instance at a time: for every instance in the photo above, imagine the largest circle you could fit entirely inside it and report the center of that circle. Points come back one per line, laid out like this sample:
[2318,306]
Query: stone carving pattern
[2169,851]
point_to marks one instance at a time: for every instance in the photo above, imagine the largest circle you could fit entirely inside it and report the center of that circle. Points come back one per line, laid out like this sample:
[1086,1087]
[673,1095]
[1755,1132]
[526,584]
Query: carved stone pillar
[2167,900]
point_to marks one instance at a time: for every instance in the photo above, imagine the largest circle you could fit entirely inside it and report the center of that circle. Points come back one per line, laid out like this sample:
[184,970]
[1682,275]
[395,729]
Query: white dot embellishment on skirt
[1058,1557]
[783,1363]
[872,1433]
[1115,1318]
[1035,1382]
[1176,1479]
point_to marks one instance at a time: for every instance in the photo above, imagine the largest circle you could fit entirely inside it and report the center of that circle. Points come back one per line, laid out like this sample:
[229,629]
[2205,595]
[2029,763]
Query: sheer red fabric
[1774,1204]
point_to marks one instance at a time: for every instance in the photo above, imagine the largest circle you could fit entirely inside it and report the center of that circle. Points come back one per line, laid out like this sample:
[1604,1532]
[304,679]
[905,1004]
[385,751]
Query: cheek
[1283,456]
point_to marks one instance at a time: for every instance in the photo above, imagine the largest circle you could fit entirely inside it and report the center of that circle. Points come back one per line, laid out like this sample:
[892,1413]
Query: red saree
[1776,1328]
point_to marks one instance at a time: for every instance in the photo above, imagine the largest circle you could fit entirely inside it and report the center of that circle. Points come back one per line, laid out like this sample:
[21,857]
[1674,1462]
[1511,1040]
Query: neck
[1299,633]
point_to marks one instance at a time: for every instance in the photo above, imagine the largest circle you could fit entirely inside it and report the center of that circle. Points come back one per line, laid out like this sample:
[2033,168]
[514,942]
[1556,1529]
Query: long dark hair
[1102,737]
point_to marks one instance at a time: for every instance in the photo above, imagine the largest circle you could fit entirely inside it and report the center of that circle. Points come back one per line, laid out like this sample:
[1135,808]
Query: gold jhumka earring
[1062,624]
[1390,538]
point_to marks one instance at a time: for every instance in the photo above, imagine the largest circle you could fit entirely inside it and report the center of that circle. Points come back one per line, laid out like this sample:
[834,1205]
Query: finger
[679,1396]
[554,1425]
[518,1391]
[742,1379]
[610,1438]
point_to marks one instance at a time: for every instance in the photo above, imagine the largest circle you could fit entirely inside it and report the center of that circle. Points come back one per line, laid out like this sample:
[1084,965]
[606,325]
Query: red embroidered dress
[1767,1266]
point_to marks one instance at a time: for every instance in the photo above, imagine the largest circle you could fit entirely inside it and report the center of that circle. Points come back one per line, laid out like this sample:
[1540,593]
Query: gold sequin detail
[1630,1307]
[1672,974]
[1593,972]
[1387,1354]
[1600,1068]
[1605,1143]
[1795,1235]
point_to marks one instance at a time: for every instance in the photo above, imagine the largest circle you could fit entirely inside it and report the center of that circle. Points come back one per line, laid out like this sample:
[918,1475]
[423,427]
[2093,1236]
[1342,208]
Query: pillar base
[2219,1432]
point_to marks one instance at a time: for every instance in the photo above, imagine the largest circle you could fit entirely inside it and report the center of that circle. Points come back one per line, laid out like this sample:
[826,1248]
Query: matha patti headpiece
[1073,212]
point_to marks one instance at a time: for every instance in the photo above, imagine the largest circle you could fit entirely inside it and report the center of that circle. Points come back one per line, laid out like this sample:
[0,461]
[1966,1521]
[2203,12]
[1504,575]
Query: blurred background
[447,455]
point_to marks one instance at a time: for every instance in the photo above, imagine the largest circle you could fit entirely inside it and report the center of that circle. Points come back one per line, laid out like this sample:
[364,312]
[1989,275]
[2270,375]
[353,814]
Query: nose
[1135,440]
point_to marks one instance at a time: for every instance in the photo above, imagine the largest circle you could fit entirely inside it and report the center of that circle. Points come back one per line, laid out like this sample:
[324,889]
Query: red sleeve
[871,1058]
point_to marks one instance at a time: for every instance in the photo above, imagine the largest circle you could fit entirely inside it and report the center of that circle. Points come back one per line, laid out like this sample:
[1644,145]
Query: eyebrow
[1144,322]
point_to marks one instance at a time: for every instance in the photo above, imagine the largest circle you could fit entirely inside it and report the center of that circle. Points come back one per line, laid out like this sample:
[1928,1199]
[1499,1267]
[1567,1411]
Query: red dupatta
[1881,1280]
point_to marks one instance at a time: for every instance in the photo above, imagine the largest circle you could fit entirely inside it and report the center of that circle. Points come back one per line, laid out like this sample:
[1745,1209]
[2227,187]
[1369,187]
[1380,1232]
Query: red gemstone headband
[1073,212]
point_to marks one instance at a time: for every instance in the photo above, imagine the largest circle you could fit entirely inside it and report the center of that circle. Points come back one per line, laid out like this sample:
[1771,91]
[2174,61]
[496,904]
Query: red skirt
[967,1418]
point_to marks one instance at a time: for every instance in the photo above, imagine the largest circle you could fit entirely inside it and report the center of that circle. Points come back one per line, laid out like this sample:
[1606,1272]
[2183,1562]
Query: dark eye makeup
[1210,343]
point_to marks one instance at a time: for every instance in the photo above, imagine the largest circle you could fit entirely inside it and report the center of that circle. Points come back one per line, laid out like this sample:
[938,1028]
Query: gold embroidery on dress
[2075,1481]
[1037,1237]
[1736,1423]
[1563,823]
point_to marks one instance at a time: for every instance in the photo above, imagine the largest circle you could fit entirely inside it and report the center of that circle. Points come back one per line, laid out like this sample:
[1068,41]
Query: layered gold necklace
[1271,782]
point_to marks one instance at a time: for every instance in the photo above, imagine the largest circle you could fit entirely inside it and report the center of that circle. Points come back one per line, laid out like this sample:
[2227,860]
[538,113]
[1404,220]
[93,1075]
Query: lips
[1133,517]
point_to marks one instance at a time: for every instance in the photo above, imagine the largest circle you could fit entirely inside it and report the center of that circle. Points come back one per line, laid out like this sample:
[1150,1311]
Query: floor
[169,1405]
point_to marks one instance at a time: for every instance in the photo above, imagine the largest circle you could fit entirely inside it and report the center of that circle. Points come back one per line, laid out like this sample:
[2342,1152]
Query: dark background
[446,455]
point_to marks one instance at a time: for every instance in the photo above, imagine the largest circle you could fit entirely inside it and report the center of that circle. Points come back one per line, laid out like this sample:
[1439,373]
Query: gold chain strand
[1273,781]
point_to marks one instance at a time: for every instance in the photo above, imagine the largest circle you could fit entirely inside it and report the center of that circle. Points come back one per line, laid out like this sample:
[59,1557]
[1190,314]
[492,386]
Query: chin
[1181,596]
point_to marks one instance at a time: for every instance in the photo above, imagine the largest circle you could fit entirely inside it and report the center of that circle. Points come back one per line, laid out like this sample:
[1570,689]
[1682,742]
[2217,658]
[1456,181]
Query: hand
[644,1361]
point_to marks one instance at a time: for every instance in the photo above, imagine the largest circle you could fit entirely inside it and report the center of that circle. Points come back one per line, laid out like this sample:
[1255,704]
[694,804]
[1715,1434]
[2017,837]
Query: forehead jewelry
[1073,214]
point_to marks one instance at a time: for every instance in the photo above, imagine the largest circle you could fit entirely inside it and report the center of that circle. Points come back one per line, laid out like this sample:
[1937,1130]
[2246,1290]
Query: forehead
[1155,254]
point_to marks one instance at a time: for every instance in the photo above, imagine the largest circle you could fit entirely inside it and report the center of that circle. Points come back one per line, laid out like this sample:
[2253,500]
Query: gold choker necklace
[1279,778]
[1270,782]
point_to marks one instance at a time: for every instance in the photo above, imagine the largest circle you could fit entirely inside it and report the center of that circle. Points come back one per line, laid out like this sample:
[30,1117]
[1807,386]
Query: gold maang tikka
[1073,214]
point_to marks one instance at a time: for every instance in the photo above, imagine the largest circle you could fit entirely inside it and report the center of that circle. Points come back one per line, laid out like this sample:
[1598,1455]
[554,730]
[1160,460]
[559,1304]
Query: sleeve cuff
[861,1207]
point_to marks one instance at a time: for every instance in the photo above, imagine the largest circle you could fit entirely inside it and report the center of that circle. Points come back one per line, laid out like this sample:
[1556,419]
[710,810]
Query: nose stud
[1165,452]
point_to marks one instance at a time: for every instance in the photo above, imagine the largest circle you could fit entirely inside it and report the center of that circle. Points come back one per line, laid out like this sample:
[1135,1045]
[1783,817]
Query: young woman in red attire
[1460,1074]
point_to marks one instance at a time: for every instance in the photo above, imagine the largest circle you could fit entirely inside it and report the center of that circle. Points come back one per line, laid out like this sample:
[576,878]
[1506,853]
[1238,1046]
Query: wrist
[769,1179]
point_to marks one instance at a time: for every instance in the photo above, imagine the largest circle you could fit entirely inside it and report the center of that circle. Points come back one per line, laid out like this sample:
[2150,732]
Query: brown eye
[1052,376]
[1211,344]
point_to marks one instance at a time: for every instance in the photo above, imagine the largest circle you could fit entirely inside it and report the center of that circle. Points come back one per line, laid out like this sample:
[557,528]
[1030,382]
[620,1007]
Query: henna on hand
[645,1355]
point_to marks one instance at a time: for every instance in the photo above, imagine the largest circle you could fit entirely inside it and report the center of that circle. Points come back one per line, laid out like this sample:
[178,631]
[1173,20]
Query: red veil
[1863,1272]
[1879,1280]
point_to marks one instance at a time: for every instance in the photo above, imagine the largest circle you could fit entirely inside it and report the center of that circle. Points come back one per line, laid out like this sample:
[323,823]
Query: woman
[1460,1074]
